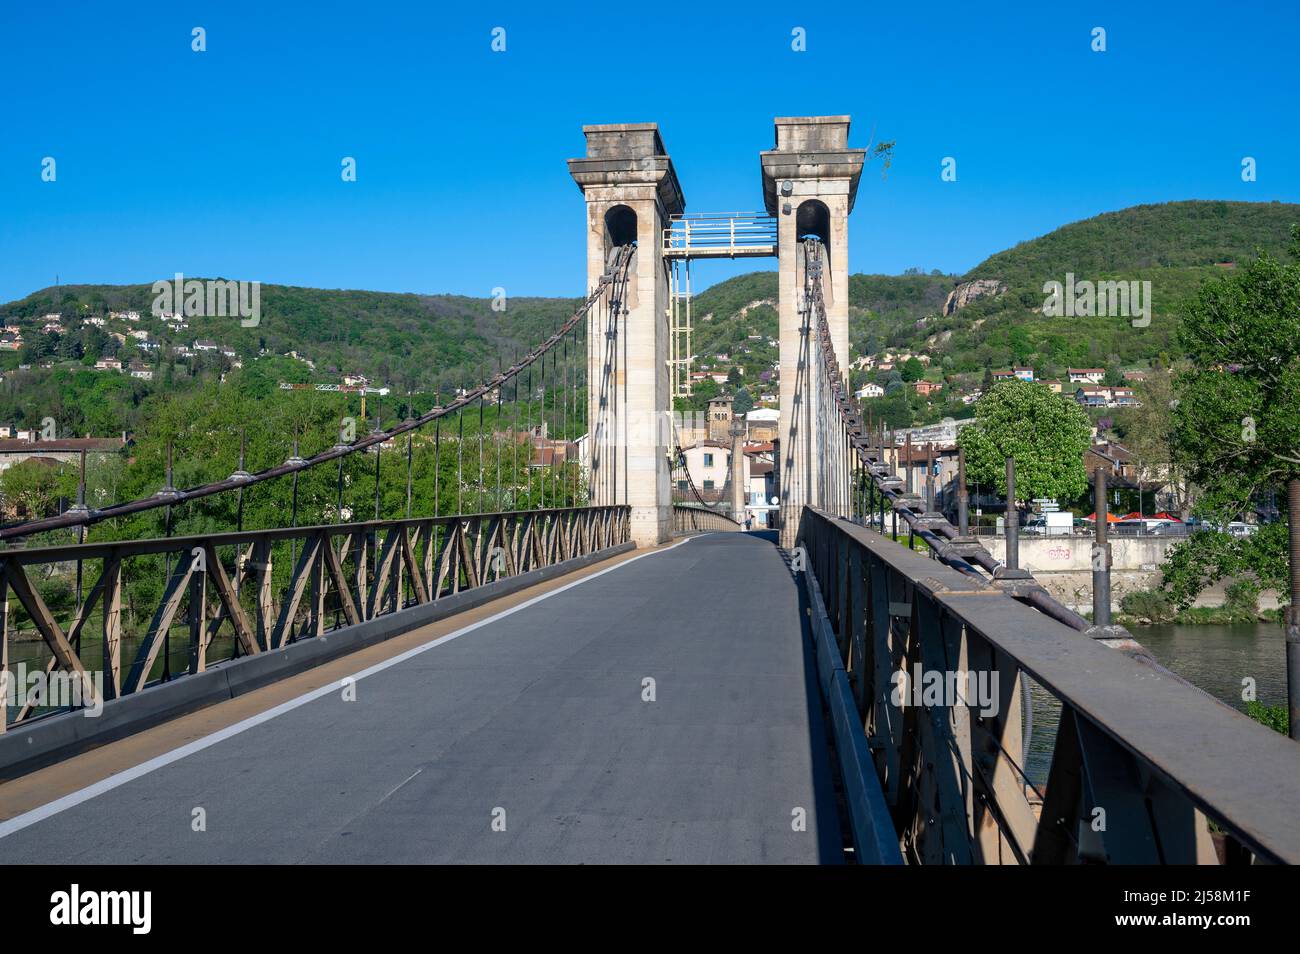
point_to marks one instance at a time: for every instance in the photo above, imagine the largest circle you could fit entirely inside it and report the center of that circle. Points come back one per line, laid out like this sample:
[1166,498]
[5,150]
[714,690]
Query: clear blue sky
[227,162]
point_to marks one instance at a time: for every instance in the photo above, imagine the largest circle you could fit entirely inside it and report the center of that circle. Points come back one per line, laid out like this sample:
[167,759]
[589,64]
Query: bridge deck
[539,713]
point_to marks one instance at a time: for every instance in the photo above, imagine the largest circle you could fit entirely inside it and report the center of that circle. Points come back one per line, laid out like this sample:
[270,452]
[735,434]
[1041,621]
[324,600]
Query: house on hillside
[1093,396]
[1086,375]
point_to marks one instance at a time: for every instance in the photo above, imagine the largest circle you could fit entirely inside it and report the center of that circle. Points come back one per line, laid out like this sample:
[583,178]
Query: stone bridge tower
[810,181]
[631,190]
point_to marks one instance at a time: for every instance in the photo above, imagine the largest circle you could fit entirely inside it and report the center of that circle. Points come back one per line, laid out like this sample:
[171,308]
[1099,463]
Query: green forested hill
[400,339]
[1176,246]
[1168,235]
[423,342]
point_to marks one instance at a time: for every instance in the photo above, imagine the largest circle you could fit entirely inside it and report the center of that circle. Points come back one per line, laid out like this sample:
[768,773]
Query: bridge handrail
[352,572]
[1134,741]
[720,230]
[693,518]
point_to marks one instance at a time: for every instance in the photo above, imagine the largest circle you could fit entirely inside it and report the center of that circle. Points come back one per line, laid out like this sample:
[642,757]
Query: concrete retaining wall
[1064,566]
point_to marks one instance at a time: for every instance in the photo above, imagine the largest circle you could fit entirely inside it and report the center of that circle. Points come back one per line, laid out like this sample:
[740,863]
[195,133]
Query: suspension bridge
[580,658]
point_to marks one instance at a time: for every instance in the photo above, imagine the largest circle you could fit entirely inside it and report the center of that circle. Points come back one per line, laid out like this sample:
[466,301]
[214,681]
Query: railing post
[112,626]
[198,619]
[1100,553]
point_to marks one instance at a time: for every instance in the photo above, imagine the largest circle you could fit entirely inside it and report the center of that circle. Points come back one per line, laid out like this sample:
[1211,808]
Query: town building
[26,445]
[720,417]
[762,424]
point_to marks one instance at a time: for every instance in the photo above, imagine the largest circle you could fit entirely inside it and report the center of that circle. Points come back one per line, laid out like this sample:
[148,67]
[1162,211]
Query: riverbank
[1203,616]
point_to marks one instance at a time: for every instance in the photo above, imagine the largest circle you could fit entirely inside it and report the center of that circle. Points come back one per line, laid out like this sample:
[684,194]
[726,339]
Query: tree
[1046,434]
[30,488]
[743,403]
[912,370]
[705,391]
[1257,562]
[1149,437]
[1237,423]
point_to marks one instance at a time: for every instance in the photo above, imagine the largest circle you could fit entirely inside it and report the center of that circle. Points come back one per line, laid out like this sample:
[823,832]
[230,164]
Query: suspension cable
[613,279]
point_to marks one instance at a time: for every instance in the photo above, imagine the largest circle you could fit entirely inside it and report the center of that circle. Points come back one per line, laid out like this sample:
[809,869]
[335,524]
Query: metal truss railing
[689,518]
[1110,705]
[1141,761]
[237,594]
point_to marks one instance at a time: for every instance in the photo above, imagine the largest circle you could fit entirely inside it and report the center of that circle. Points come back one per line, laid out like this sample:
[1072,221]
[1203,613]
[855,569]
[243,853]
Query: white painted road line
[72,799]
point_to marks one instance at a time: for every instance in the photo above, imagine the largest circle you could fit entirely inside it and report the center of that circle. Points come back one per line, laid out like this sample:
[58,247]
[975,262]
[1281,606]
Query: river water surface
[1215,658]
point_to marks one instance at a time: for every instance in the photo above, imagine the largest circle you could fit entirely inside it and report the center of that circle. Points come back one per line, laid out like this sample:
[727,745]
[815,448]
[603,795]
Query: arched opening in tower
[620,227]
[813,220]
[620,231]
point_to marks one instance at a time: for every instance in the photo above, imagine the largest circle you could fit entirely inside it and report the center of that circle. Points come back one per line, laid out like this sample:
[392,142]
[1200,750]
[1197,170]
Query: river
[1215,658]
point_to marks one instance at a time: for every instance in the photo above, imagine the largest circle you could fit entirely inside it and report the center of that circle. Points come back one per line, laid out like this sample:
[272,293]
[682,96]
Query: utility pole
[1100,552]
[963,498]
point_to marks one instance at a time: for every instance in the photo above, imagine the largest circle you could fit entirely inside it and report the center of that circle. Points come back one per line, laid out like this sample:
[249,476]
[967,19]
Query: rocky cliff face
[967,292]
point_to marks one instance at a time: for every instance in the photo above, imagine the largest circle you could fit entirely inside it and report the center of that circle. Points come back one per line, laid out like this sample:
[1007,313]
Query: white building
[709,464]
[1086,375]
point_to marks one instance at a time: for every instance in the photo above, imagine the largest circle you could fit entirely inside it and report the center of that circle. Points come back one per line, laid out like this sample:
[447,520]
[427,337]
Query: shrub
[1148,604]
[1242,599]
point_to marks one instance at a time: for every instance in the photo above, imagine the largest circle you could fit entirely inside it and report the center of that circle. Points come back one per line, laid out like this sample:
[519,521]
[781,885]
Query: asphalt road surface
[527,740]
